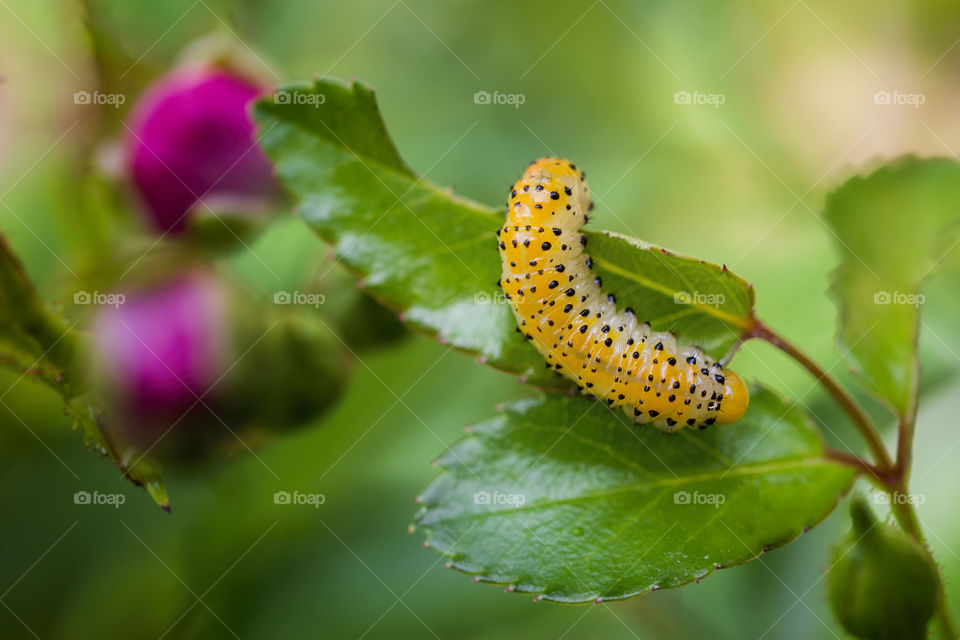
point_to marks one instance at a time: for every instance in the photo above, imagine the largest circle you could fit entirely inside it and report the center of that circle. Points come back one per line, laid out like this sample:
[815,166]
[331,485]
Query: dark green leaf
[610,510]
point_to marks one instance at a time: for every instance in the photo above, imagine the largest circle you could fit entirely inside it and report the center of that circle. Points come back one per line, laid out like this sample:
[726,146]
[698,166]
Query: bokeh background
[739,183]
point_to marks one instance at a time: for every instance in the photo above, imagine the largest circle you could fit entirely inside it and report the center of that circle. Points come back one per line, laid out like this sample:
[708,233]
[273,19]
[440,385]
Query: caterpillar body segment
[562,309]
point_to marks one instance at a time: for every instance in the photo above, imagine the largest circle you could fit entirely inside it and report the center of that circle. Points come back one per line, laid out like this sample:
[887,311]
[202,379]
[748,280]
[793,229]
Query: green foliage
[610,510]
[883,584]
[45,344]
[598,492]
[432,255]
[893,229]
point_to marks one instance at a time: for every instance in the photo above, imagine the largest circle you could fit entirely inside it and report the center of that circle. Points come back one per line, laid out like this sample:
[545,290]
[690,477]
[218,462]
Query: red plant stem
[878,476]
[846,402]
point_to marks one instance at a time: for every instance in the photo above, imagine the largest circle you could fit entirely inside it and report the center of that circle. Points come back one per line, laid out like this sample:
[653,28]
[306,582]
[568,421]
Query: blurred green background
[740,184]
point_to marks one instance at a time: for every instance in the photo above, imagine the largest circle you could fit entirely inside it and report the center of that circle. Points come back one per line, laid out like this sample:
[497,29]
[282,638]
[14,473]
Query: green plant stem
[846,402]
[892,477]
[906,514]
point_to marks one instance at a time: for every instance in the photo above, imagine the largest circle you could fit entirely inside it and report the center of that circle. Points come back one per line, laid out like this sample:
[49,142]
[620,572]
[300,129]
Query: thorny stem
[906,514]
[892,477]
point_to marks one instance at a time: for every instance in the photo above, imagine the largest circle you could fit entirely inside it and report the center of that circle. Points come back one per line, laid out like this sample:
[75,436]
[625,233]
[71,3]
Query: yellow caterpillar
[562,310]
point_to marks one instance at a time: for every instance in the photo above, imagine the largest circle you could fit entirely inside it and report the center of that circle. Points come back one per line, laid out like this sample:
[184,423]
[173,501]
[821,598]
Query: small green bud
[368,324]
[292,374]
[882,584]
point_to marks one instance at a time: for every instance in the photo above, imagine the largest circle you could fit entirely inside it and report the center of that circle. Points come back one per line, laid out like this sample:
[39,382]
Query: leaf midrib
[708,310]
[744,470]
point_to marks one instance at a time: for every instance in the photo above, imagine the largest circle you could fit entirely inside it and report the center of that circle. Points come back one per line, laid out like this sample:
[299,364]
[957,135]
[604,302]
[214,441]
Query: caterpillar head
[736,399]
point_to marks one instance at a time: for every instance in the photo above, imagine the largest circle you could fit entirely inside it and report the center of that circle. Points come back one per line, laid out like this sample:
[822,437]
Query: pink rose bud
[191,145]
[160,349]
[189,364]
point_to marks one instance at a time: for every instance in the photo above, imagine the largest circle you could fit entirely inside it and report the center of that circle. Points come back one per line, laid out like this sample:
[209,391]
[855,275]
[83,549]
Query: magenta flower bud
[190,364]
[192,145]
[160,349]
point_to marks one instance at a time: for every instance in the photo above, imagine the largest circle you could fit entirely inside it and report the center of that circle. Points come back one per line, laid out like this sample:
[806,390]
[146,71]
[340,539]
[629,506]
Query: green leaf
[894,228]
[432,255]
[25,319]
[43,339]
[140,469]
[561,497]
